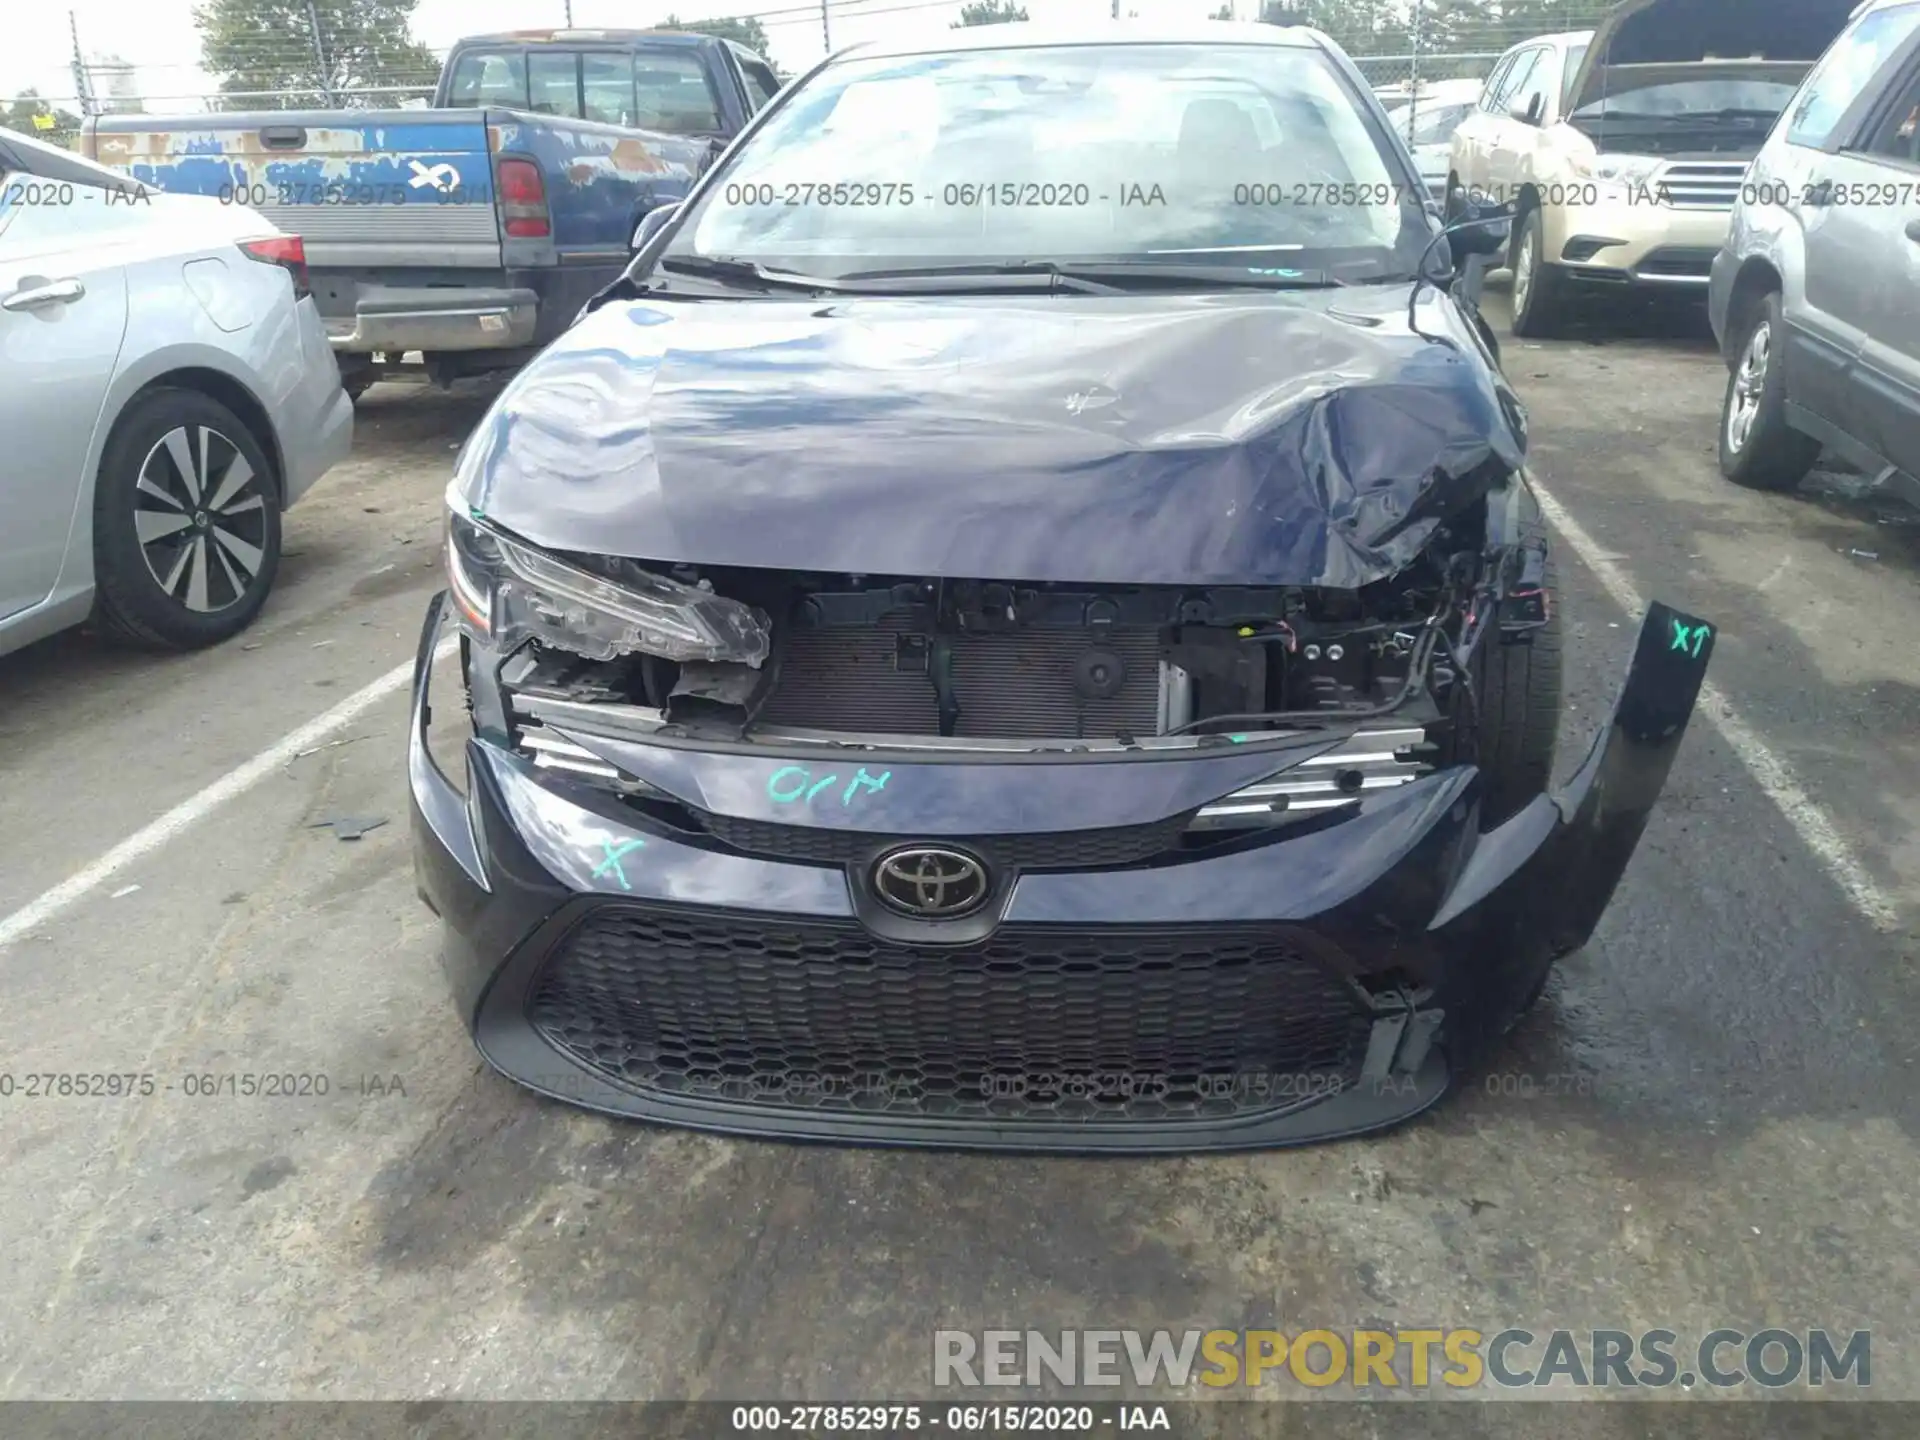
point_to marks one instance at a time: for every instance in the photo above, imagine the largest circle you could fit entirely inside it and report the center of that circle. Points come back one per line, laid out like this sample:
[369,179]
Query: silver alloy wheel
[199,514]
[1523,272]
[1748,383]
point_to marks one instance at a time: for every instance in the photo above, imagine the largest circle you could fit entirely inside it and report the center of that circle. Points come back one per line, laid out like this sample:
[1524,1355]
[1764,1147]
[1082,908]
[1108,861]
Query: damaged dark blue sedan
[1020,622]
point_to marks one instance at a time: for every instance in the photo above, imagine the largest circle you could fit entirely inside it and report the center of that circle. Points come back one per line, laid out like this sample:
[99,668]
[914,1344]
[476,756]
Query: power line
[887,10]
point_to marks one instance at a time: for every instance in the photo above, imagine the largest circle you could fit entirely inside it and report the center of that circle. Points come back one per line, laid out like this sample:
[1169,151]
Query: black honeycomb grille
[1055,850]
[1035,1023]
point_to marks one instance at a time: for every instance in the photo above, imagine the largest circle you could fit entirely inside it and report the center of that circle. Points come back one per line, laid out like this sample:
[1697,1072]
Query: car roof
[564,36]
[1563,39]
[1037,34]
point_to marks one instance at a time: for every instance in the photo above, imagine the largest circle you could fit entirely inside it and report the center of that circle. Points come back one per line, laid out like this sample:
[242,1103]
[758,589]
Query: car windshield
[1692,99]
[1254,156]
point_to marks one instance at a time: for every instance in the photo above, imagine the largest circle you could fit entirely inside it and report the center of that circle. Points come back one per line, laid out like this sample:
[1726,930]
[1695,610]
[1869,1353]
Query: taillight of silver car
[289,252]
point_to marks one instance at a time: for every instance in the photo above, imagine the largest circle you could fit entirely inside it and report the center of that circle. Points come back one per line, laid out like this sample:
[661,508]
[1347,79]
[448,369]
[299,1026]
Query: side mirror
[1530,113]
[652,223]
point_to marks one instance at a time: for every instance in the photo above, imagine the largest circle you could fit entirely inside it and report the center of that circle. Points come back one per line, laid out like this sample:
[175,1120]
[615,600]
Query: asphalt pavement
[1710,1121]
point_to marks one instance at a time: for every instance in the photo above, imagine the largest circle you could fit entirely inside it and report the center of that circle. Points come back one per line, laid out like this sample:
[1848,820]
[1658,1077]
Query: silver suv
[1815,298]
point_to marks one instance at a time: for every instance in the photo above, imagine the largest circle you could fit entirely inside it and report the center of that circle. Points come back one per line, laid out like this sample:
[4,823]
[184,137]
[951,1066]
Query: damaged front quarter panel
[1309,438]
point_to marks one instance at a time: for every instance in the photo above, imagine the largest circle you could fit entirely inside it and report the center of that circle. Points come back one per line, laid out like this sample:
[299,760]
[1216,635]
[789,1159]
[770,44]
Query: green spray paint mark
[613,854]
[1688,639]
[792,783]
[863,782]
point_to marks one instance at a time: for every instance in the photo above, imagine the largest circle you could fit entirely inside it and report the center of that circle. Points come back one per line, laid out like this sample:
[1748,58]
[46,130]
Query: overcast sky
[158,36]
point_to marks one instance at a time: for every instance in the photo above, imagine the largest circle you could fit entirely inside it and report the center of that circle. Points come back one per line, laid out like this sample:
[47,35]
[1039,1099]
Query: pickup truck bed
[471,235]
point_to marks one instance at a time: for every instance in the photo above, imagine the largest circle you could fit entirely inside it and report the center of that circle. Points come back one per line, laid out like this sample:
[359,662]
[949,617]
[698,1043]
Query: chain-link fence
[359,54]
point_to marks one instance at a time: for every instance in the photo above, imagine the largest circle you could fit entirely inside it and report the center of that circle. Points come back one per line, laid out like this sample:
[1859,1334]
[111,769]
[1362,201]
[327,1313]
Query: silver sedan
[166,390]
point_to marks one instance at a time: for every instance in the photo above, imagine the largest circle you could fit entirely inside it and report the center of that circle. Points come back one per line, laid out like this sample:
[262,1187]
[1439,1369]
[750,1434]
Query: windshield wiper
[728,270]
[1673,117]
[1736,112]
[1019,275]
[1115,276]
[935,279]
[1104,277]
[1140,273]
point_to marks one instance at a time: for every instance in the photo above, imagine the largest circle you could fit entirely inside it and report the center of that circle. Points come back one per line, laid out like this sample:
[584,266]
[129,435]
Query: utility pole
[82,88]
[1413,69]
[320,55]
[826,31]
[569,14]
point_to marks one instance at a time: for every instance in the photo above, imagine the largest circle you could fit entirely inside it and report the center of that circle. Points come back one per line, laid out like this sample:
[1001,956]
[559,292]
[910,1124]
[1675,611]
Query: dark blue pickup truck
[471,232]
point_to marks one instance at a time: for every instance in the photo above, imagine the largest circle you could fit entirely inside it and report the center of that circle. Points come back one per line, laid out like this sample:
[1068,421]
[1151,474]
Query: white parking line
[198,806]
[1770,772]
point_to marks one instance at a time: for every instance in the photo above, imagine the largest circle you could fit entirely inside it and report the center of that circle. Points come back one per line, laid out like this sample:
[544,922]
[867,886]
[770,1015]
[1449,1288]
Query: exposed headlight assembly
[507,592]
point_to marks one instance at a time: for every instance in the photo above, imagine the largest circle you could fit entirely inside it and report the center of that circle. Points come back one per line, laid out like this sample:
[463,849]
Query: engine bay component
[726,653]
[1037,682]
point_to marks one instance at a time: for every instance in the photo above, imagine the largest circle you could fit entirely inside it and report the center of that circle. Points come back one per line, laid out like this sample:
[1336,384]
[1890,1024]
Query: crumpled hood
[1278,438]
[1676,33]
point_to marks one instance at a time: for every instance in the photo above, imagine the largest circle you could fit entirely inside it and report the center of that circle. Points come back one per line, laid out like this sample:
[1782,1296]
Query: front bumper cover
[1446,931]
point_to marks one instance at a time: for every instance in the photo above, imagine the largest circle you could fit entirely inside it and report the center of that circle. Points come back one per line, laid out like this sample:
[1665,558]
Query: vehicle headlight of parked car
[508,593]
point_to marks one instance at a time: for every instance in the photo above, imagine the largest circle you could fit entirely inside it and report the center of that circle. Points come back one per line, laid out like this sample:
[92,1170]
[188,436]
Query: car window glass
[1542,81]
[486,77]
[1496,80]
[1898,135]
[553,82]
[606,87]
[1845,71]
[41,216]
[675,95]
[761,84]
[1515,83]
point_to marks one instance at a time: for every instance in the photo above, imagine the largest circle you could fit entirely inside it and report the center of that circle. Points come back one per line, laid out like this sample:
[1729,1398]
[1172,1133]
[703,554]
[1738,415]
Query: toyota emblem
[928,883]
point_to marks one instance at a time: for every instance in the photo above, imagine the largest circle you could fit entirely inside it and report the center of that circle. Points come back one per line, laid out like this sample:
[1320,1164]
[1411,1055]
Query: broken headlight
[507,592]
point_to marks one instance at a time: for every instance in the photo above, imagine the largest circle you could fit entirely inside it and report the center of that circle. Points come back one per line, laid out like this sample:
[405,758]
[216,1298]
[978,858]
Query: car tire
[1517,707]
[186,546]
[1758,447]
[1539,288]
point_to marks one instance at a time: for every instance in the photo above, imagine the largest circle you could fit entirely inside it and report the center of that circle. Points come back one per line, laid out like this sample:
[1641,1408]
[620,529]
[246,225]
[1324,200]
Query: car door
[1887,371]
[1510,138]
[1477,131]
[1843,244]
[63,314]
[1537,93]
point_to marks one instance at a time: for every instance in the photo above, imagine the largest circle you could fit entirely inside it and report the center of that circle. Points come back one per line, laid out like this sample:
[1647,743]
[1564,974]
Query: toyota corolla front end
[1105,705]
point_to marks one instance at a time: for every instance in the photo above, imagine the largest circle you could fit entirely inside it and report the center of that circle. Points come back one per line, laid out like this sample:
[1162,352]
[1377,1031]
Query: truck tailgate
[371,188]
